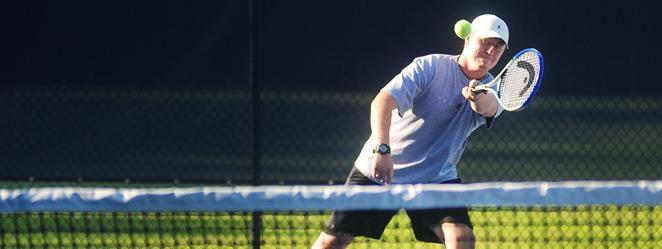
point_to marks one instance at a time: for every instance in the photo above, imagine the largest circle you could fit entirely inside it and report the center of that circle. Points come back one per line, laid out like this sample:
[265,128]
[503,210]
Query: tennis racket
[518,82]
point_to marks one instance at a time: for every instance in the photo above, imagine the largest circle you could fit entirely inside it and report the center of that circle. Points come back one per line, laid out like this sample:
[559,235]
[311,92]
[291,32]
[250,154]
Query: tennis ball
[462,28]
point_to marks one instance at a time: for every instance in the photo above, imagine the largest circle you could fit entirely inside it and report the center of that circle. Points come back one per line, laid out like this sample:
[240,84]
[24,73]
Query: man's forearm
[380,116]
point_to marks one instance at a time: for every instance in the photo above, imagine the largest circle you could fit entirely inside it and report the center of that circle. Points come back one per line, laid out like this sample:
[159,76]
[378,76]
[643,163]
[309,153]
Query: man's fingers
[466,92]
[383,177]
[473,95]
[378,176]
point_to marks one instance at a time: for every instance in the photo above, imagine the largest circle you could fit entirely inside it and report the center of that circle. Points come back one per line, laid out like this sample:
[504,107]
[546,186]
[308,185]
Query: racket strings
[518,82]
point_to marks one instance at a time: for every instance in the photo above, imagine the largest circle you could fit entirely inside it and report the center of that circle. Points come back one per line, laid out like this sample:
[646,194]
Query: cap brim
[484,34]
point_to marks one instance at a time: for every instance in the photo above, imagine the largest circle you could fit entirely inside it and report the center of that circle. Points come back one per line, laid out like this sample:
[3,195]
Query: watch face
[383,148]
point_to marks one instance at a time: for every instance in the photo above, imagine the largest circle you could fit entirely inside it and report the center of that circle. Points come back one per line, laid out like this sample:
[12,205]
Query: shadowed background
[159,91]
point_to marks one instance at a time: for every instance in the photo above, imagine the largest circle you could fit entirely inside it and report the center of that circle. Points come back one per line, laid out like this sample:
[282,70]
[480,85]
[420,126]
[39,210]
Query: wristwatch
[382,149]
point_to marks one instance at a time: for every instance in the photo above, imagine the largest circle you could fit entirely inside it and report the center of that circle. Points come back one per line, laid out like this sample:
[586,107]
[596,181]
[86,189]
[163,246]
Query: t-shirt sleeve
[410,82]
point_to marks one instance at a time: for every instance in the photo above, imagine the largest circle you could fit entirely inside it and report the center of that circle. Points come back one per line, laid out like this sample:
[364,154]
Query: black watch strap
[382,149]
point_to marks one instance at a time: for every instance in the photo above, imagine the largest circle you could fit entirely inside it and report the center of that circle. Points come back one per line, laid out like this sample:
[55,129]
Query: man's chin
[485,65]
[482,66]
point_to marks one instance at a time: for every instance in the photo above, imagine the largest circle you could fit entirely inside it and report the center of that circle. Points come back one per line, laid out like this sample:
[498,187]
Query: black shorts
[371,223]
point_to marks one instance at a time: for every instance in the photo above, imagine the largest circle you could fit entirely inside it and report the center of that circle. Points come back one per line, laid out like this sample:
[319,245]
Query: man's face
[483,54]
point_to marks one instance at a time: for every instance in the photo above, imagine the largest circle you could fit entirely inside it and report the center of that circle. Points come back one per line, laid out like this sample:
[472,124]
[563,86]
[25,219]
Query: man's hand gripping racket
[518,82]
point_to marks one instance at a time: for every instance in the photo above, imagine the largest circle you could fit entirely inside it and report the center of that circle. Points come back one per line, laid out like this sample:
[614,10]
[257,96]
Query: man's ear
[466,40]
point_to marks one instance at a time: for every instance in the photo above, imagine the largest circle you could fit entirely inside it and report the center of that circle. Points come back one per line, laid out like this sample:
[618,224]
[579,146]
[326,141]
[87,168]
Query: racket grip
[479,89]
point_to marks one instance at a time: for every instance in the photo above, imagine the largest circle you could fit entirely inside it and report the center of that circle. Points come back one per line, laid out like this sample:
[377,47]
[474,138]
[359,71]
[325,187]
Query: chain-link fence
[306,137]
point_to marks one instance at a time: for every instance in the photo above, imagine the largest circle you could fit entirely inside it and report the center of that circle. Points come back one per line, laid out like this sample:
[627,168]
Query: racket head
[519,82]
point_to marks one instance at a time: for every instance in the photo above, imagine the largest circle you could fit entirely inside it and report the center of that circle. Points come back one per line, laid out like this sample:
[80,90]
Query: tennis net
[585,214]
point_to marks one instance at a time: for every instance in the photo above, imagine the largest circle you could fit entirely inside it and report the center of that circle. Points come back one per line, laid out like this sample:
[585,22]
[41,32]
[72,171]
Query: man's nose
[491,49]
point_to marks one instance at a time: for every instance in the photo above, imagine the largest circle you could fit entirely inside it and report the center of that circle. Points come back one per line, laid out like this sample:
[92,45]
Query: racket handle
[479,89]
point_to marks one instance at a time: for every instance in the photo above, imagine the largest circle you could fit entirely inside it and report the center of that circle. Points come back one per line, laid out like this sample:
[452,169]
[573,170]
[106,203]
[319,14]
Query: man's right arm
[381,110]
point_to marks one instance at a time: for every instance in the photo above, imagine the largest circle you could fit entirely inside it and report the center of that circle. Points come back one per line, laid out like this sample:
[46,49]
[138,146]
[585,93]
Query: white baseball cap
[490,26]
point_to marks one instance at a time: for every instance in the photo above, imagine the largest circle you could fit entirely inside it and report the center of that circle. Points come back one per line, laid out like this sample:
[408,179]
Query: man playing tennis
[420,123]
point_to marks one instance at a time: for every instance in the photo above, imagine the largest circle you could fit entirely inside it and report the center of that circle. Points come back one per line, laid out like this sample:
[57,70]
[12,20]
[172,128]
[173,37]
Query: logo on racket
[532,73]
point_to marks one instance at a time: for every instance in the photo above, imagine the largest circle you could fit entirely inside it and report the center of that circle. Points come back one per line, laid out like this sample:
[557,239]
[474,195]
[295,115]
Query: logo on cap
[490,26]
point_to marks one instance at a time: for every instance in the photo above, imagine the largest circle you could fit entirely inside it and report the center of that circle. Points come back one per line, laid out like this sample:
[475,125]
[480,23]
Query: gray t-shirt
[430,128]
